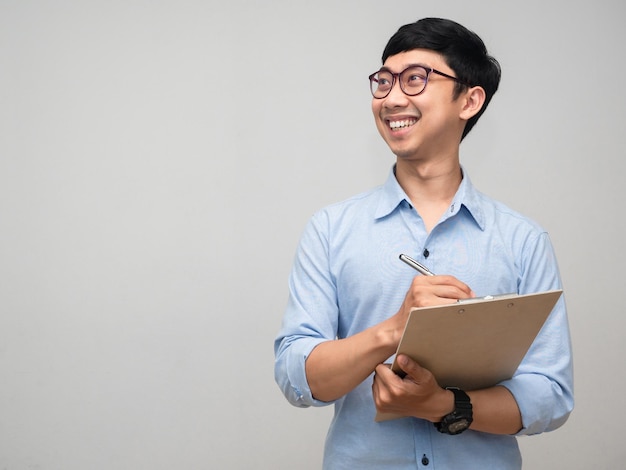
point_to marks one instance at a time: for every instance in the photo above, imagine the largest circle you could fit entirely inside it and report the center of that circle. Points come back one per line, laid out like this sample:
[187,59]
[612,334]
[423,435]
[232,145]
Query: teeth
[401,124]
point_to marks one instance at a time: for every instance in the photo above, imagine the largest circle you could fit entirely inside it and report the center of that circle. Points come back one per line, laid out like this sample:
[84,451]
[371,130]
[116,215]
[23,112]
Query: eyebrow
[387,69]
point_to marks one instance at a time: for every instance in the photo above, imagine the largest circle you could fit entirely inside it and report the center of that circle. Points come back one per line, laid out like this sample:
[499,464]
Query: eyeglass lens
[412,81]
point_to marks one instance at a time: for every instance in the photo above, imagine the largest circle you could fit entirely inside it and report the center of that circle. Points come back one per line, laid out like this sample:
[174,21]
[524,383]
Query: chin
[404,153]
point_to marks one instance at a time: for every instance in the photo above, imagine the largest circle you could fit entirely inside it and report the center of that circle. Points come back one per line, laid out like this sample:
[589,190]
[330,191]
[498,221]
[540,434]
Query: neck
[431,186]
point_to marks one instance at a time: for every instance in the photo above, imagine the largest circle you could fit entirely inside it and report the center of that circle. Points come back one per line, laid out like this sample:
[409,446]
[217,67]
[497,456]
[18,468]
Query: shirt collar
[466,196]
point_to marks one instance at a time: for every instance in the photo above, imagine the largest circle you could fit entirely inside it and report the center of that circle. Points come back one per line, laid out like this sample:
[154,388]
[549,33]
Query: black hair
[463,51]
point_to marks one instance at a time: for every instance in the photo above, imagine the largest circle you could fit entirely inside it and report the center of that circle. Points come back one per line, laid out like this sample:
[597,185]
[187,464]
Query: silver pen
[417,266]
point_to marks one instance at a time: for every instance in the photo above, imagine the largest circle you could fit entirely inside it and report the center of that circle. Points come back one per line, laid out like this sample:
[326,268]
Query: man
[350,296]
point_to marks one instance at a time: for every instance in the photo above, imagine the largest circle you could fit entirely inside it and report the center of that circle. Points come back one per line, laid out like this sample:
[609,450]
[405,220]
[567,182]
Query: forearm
[336,367]
[495,411]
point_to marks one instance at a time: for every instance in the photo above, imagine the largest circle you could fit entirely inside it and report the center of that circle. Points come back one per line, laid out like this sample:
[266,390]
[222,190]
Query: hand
[427,291]
[417,394]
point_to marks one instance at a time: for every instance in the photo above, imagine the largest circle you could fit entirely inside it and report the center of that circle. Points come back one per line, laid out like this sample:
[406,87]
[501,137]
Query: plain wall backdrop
[159,160]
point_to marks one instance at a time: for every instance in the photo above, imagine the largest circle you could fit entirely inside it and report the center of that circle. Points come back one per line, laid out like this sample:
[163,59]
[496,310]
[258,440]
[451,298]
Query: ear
[473,101]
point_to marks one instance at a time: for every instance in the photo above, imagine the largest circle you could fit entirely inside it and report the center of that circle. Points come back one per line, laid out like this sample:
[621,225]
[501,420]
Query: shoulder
[360,205]
[499,215]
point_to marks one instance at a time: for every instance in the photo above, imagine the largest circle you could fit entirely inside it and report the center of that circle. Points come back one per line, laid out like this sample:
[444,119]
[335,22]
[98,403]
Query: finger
[455,287]
[383,373]
[413,370]
[443,286]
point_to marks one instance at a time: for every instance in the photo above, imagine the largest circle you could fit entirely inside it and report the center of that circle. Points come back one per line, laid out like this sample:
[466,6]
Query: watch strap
[460,418]
[461,399]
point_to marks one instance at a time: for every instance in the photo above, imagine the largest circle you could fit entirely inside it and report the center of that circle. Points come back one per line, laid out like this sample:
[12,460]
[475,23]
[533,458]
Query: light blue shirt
[347,277]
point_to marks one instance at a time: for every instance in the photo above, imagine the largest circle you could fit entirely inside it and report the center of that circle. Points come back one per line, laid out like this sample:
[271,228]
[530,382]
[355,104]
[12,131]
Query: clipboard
[476,343]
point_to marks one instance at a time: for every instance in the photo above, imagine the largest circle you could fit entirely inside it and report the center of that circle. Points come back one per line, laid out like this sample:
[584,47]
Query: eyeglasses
[413,80]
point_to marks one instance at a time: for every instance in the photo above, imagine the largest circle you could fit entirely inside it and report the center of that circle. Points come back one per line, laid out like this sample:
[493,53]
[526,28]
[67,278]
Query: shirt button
[425,460]
[426,253]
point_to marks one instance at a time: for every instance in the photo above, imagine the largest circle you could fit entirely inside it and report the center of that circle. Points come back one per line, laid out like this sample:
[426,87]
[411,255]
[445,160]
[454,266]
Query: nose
[396,97]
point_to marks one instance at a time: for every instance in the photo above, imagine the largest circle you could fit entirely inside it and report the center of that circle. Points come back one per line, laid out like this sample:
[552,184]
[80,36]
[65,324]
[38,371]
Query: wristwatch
[461,418]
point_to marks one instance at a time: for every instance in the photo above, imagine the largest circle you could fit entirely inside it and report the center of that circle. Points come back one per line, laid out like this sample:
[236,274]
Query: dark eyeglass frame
[395,77]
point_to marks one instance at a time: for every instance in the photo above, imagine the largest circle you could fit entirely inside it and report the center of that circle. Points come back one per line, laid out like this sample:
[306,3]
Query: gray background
[158,162]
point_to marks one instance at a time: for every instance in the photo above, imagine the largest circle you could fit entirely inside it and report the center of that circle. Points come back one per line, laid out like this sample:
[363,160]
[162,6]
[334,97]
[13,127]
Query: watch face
[458,426]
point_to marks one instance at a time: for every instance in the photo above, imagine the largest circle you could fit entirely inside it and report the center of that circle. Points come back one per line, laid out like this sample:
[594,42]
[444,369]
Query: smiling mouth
[396,125]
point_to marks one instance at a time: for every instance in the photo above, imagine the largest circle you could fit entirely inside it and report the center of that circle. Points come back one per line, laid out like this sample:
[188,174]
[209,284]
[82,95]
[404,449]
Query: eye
[384,81]
[415,79]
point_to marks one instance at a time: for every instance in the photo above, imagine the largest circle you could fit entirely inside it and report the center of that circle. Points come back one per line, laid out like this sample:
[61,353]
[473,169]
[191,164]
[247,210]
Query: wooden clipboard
[477,343]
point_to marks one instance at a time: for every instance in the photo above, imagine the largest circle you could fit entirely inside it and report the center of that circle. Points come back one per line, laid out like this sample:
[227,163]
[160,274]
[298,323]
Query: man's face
[425,126]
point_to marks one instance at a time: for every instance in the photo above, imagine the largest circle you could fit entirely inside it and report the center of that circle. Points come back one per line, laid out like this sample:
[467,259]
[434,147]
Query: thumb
[412,369]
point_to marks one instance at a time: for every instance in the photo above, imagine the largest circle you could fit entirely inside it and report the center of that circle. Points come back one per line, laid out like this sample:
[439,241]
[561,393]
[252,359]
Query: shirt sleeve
[543,383]
[311,316]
